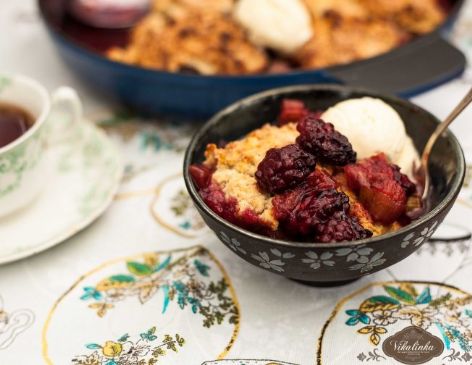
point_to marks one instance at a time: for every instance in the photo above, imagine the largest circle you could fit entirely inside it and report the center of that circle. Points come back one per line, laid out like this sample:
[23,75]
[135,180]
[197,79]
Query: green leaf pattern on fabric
[401,302]
[186,281]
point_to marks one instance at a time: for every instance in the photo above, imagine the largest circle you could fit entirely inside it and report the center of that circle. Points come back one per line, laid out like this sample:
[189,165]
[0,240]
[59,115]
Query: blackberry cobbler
[300,179]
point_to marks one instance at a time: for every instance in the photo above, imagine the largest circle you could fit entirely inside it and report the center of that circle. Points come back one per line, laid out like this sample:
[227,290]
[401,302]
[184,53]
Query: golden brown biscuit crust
[415,16]
[339,40]
[200,36]
[235,166]
[349,30]
[192,41]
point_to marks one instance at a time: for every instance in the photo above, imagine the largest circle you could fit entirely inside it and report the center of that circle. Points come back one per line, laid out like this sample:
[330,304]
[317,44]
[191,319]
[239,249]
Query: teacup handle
[65,114]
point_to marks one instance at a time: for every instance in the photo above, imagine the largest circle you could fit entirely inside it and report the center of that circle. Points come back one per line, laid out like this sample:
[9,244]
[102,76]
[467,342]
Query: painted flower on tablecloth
[464,317]
[366,266]
[184,212]
[316,261]
[147,349]
[405,302]
[383,317]
[233,243]
[185,281]
[267,262]
[421,317]
[112,349]
[92,359]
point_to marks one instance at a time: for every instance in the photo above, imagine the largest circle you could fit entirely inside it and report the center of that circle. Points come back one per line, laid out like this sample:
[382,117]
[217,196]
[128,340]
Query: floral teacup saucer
[85,170]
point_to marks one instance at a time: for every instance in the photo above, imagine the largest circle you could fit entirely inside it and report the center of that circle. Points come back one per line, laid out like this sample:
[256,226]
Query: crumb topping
[236,164]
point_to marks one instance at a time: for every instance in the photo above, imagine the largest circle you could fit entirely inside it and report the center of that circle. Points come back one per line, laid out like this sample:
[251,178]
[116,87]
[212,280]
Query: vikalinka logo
[413,345]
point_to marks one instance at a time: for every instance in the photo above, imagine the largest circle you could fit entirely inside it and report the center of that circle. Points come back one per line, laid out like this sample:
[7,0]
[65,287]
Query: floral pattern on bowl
[360,259]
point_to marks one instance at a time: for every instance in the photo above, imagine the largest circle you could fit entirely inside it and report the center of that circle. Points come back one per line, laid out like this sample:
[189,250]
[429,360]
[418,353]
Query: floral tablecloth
[148,283]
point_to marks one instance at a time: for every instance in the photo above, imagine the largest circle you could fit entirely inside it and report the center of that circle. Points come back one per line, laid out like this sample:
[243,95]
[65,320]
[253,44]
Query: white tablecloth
[99,297]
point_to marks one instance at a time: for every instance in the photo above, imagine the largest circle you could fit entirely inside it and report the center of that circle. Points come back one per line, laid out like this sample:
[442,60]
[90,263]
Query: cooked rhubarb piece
[201,175]
[291,110]
[380,186]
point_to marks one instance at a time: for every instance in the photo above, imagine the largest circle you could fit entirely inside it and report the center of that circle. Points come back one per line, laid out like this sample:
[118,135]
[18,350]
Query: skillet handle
[408,70]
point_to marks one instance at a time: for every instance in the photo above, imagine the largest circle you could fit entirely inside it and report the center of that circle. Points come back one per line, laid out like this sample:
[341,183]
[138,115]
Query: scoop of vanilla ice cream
[409,160]
[373,126]
[283,25]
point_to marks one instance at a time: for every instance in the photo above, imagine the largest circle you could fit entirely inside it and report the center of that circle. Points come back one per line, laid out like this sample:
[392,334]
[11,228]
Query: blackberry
[302,209]
[340,227]
[284,168]
[322,140]
[315,209]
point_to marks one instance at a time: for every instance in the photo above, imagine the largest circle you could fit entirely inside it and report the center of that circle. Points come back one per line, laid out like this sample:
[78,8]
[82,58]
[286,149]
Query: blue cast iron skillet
[410,69]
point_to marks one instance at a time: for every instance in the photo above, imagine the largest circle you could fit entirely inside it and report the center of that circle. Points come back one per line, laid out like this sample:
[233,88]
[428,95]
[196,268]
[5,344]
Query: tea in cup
[30,121]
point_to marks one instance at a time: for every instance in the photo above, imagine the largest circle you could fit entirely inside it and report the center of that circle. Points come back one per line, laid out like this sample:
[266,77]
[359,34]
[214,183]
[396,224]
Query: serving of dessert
[269,36]
[343,174]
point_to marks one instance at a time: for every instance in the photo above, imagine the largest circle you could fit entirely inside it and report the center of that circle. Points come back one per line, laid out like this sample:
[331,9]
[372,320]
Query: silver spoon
[440,129]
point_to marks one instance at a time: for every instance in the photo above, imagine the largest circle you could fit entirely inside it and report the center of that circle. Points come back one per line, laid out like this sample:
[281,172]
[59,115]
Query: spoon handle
[440,129]
[443,126]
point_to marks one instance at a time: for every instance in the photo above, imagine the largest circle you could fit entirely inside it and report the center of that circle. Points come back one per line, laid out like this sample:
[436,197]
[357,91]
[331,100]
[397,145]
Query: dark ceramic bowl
[336,263]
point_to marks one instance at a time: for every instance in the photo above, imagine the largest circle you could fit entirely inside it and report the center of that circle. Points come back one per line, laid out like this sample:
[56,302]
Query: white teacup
[23,165]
